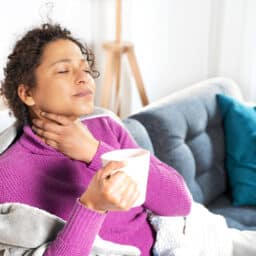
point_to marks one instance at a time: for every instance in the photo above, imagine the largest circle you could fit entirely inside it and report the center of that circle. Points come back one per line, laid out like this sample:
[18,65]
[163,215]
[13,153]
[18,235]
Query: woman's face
[64,84]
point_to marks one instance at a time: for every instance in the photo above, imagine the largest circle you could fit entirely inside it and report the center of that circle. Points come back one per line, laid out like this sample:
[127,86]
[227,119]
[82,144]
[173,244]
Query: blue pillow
[240,142]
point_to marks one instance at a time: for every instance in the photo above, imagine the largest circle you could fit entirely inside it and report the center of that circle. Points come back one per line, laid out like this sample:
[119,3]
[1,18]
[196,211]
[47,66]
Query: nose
[82,77]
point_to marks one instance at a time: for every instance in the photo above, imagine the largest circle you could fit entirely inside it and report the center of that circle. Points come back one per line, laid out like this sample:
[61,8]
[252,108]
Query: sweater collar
[34,144]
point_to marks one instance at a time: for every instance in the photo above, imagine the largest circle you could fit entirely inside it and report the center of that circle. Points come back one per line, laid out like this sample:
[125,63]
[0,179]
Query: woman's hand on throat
[67,135]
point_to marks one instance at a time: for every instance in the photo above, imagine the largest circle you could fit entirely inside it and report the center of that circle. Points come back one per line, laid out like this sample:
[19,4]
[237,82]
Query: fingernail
[42,113]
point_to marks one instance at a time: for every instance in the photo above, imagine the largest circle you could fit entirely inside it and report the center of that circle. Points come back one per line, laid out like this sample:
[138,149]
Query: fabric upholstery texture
[139,133]
[187,133]
[240,139]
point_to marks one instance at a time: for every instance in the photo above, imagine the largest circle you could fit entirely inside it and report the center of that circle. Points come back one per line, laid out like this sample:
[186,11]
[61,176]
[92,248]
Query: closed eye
[63,71]
[87,71]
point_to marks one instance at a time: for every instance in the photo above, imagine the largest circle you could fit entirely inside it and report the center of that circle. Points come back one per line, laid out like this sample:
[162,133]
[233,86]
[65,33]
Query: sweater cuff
[81,229]
[96,163]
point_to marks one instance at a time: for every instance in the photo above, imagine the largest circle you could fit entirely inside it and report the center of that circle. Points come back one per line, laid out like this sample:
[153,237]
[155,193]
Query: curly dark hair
[26,57]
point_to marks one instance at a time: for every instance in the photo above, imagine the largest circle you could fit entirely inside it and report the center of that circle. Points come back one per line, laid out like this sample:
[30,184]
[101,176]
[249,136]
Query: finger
[114,184]
[45,134]
[133,196]
[117,182]
[36,111]
[60,119]
[110,168]
[125,195]
[116,187]
[47,125]
[126,185]
[52,143]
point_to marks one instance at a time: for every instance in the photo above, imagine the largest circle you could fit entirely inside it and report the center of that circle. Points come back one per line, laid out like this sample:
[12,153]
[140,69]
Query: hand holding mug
[111,189]
[137,167]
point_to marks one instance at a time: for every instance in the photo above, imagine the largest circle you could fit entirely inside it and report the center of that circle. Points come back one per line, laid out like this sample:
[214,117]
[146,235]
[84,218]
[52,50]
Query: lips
[83,93]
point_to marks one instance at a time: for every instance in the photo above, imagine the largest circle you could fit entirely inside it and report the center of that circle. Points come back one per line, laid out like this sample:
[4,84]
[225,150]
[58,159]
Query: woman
[55,164]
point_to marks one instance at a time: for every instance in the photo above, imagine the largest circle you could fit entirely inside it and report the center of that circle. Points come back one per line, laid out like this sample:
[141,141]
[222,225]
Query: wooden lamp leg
[137,76]
[108,80]
[118,79]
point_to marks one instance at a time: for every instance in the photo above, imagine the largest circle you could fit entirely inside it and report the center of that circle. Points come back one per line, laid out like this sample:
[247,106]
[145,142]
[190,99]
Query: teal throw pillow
[240,141]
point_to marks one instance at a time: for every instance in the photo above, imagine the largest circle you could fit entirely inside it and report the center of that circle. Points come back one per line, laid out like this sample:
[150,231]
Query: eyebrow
[67,61]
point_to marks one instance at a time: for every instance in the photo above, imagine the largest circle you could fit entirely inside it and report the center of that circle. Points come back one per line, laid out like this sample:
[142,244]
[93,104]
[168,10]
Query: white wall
[171,39]
[177,42]
[238,45]
[16,17]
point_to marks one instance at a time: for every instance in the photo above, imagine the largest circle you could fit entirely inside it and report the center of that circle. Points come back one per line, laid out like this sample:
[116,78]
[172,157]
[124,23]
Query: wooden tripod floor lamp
[114,52]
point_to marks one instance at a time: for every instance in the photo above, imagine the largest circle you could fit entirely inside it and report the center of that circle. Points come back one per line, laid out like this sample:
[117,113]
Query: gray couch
[185,130]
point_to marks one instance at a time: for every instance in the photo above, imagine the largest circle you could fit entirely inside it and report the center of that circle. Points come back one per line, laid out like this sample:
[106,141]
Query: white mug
[137,167]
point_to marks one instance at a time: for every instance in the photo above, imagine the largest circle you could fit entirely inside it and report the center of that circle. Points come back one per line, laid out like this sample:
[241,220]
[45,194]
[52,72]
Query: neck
[35,113]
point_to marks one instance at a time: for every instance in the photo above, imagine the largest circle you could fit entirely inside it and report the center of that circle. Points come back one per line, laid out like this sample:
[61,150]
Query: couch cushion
[239,217]
[7,129]
[187,134]
[139,133]
[240,139]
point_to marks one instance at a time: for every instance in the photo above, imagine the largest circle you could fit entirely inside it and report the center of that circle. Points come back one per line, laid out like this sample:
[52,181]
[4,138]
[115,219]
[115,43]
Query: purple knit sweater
[33,173]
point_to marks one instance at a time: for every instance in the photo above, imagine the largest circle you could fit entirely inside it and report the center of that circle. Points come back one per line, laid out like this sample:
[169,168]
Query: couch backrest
[186,132]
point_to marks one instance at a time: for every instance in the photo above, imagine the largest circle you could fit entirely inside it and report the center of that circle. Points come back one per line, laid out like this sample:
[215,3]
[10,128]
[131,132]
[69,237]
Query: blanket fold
[27,231]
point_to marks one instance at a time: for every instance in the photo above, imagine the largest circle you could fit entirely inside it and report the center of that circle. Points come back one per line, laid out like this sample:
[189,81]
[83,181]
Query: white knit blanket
[205,234]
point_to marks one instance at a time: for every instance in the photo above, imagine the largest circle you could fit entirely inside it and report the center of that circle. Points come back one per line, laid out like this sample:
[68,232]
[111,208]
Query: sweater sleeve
[167,192]
[78,234]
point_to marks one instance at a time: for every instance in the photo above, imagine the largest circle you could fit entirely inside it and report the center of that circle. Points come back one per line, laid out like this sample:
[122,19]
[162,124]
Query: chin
[86,110]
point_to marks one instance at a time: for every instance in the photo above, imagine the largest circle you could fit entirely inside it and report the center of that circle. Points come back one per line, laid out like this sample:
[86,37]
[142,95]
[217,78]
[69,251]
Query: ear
[25,95]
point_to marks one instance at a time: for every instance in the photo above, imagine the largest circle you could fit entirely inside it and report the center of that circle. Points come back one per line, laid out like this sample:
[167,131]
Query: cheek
[51,98]
[92,85]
